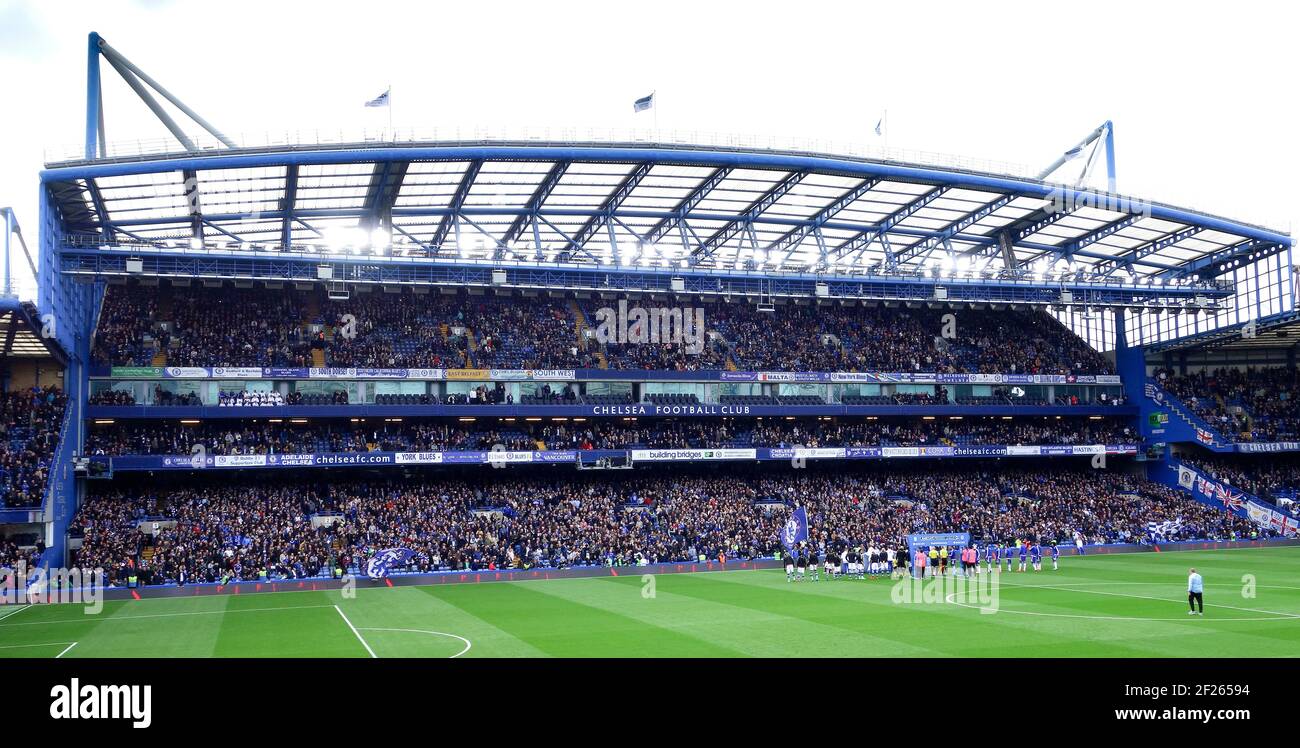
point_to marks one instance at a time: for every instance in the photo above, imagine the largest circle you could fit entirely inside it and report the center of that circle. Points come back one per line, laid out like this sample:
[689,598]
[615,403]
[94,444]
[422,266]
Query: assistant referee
[1195,586]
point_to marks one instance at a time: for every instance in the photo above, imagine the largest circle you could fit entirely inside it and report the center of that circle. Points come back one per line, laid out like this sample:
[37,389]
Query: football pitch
[1126,605]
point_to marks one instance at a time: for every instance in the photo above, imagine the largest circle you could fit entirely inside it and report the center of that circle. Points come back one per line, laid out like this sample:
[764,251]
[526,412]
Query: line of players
[991,558]
[857,562]
[845,562]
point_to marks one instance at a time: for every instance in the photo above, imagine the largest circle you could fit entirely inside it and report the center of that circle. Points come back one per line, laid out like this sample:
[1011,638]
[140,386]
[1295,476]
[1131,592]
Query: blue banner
[938,538]
[506,457]
[511,375]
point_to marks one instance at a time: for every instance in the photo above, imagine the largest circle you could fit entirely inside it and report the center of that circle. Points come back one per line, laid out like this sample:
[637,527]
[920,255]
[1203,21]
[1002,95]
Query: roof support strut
[137,80]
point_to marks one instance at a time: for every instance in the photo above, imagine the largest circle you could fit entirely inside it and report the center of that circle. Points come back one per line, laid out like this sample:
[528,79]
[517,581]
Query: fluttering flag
[379,563]
[795,530]
[643,103]
[380,100]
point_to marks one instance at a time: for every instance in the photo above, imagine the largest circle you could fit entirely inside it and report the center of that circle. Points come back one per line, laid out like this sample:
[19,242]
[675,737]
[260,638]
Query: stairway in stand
[471,345]
[165,307]
[580,327]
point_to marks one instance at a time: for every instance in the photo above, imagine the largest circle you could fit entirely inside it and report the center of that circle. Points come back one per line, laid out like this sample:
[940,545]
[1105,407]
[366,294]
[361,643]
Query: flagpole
[391,136]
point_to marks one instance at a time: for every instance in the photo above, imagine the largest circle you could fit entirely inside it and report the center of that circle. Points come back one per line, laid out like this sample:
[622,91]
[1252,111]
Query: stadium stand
[30,423]
[1243,404]
[248,327]
[265,529]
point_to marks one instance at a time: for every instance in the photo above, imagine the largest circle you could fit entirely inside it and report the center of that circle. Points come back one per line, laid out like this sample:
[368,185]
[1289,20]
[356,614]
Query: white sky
[1202,94]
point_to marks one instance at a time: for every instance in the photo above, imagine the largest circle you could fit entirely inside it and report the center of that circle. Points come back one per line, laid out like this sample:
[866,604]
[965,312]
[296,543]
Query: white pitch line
[1066,587]
[16,611]
[1161,599]
[42,644]
[164,615]
[69,649]
[358,633]
[468,645]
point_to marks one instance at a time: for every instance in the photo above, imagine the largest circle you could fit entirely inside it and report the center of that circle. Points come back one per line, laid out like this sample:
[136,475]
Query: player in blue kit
[1024,551]
[991,556]
[1056,556]
[1036,556]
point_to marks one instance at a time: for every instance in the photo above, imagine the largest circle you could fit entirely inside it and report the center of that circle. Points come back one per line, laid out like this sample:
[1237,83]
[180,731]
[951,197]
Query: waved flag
[379,563]
[795,530]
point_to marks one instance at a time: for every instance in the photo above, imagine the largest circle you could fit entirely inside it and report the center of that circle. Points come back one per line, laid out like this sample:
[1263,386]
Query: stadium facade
[565,228]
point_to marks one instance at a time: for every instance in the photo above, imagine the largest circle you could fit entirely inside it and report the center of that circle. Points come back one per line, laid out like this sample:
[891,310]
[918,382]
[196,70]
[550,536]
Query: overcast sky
[1202,94]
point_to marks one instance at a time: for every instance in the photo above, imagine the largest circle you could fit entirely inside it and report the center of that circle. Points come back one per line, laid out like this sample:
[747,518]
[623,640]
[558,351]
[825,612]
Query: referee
[1195,586]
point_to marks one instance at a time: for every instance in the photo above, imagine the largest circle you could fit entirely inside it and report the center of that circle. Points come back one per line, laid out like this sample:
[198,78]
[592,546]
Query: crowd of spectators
[830,338]
[256,327]
[1269,477]
[1252,404]
[112,397]
[30,424]
[264,437]
[124,336]
[250,399]
[248,530]
[15,550]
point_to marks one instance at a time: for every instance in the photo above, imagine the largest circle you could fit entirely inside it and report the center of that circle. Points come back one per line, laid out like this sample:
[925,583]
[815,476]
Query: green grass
[1121,605]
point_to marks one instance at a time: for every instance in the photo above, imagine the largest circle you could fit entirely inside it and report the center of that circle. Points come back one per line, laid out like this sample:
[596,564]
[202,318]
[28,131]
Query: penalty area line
[17,609]
[360,638]
[41,644]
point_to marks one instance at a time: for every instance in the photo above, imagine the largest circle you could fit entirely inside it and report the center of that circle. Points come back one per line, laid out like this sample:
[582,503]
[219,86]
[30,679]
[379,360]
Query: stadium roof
[1278,331]
[21,334]
[638,204]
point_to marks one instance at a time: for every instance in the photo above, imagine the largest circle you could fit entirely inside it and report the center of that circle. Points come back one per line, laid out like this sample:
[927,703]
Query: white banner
[1018,450]
[662,455]
[417,458]
[240,460]
[900,451]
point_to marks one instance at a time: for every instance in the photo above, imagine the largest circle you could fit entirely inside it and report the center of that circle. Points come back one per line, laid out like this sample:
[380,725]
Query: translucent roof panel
[662,204]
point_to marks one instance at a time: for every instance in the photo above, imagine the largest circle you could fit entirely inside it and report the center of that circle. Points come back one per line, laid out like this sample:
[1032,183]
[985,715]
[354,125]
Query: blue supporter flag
[380,100]
[795,530]
[382,560]
[643,103]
